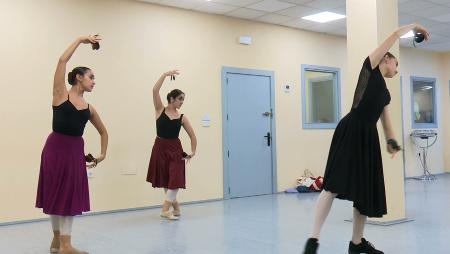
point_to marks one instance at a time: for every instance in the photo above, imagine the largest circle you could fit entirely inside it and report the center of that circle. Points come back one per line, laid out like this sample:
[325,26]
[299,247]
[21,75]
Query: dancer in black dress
[354,169]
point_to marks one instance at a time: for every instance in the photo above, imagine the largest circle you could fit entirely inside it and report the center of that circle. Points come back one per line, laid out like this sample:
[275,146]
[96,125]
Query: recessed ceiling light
[324,17]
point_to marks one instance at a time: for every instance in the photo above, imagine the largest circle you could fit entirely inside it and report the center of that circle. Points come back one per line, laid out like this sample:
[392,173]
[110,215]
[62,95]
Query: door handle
[268,138]
[267,114]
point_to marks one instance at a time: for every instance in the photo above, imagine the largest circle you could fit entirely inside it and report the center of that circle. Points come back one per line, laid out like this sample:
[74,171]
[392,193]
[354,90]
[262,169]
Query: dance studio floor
[257,225]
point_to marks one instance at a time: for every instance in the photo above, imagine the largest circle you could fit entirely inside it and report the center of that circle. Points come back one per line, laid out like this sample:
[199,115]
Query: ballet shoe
[168,215]
[54,247]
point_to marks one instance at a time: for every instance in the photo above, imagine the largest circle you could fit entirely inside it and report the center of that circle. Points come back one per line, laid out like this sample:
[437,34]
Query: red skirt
[167,167]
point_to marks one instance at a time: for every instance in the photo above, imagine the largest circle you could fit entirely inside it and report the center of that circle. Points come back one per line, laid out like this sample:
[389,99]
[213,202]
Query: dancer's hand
[420,29]
[392,151]
[92,39]
[95,162]
[91,165]
[189,157]
[172,73]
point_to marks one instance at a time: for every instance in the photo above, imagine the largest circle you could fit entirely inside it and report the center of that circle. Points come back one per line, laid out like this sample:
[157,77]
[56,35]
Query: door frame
[270,74]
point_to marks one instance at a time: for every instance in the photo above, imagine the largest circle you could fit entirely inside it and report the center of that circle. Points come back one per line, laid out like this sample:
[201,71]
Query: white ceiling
[433,14]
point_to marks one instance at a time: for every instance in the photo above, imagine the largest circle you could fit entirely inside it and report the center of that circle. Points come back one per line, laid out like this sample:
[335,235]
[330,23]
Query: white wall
[424,64]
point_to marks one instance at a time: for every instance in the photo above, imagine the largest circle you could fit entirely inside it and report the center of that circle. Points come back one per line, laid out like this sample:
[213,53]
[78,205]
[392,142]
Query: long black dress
[354,168]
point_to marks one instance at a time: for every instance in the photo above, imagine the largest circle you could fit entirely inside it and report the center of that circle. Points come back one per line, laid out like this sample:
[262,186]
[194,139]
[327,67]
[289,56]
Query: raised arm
[157,102]
[378,54]
[59,84]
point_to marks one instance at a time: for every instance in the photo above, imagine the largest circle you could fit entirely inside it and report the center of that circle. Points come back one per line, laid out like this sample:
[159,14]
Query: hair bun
[70,78]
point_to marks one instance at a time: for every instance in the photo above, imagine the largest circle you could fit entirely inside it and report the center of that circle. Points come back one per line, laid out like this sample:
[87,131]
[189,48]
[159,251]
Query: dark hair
[389,55]
[174,94]
[72,76]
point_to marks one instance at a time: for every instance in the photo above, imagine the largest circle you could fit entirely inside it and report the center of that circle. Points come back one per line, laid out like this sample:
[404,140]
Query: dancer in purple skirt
[167,163]
[63,190]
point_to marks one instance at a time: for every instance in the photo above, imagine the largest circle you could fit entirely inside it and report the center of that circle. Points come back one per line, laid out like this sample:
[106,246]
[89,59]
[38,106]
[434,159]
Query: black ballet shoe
[363,247]
[311,246]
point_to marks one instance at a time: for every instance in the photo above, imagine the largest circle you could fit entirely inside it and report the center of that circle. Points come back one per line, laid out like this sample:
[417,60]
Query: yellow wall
[446,109]
[140,42]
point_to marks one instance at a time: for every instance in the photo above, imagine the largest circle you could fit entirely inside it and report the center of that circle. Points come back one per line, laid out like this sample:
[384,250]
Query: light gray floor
[260,225]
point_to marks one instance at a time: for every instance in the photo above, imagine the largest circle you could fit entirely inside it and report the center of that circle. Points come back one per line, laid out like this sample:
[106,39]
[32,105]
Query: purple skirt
[63,184]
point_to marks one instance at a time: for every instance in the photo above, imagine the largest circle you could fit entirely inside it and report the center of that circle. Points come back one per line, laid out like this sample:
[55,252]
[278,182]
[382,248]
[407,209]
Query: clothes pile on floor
[307,183]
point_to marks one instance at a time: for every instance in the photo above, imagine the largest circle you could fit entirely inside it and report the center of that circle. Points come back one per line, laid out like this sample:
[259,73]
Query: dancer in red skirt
[167,163]
[63,190]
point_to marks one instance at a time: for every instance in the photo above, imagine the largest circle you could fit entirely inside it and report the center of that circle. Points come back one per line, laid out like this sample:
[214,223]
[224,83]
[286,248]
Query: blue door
[249,137]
